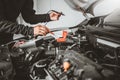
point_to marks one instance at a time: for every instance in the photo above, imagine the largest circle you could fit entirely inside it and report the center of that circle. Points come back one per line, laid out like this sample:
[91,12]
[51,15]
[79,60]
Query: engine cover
[80,68]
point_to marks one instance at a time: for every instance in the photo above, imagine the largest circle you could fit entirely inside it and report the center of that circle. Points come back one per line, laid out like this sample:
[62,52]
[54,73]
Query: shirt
[10,10]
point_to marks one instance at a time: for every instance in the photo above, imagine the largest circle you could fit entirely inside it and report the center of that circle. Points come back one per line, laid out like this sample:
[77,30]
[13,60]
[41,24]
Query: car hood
[84,6]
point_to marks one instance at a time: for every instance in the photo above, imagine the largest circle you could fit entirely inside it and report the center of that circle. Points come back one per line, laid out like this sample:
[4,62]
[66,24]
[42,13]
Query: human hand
[40,30]
[54,15]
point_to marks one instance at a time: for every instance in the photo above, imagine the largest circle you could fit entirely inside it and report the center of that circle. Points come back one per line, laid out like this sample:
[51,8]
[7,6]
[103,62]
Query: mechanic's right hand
[40,30]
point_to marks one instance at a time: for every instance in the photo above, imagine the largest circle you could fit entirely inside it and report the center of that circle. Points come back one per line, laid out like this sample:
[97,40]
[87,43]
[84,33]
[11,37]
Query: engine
[82,56]
[91,52]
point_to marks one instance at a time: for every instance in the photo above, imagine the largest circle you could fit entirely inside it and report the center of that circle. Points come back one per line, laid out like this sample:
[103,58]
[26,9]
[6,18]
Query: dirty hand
[40,30]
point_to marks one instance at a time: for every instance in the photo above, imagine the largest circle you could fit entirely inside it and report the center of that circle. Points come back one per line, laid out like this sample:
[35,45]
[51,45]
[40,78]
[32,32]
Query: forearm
[14,28]
[30,16]
[36,18]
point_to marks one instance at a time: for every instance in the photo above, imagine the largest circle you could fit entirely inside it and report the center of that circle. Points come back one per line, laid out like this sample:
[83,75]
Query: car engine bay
[91,52]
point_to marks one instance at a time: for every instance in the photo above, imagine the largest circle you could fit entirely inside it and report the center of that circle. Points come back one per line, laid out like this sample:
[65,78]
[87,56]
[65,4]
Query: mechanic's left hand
[54,16]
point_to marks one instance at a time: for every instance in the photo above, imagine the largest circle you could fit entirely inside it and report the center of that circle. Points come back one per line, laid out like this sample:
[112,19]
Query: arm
[14,28]
[28,14]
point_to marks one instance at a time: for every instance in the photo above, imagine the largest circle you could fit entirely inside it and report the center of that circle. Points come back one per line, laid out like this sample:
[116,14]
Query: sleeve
[11,27]
[14,28]
[28,14]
